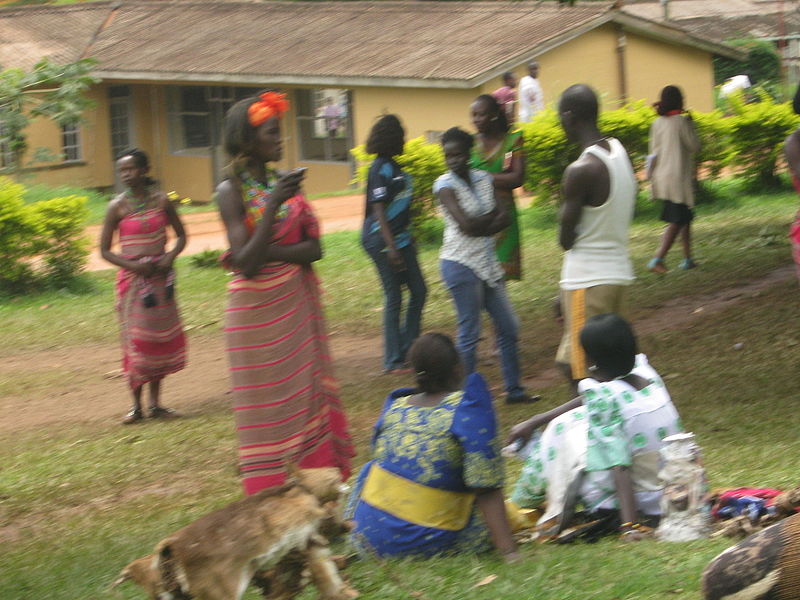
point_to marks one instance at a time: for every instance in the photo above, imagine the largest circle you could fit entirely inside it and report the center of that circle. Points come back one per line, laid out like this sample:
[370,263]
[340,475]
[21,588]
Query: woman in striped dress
[153,344]
[285,396]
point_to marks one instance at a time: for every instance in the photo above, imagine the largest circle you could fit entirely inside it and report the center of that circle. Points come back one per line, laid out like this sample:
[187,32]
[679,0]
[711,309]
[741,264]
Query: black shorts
[680,214]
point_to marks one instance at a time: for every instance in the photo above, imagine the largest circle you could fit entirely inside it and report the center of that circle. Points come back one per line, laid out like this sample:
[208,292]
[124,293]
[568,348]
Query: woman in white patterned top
[607,440]
[469,266]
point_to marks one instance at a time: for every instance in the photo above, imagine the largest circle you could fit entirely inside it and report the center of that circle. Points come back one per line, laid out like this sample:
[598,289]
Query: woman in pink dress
[285,396]
[153,343]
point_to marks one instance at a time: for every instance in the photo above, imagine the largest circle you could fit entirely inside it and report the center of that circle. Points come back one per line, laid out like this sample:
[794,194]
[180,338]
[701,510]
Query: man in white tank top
[599,193]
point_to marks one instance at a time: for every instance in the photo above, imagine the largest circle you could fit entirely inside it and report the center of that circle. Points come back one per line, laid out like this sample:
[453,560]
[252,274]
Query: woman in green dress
[499,151]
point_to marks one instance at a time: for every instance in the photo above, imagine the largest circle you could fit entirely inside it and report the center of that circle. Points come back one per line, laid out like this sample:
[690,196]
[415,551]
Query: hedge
[748,139]
[42,243]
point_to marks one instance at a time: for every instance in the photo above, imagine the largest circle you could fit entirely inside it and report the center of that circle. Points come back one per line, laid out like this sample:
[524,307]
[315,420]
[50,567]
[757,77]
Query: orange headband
[272,104]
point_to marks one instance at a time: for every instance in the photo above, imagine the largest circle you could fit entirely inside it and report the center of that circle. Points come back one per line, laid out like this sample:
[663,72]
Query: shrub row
[42,243]
[747,138]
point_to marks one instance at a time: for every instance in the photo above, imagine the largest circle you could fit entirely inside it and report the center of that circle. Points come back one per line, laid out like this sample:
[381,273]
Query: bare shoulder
[162,200]
[226,189]
[118,206]
[586,168]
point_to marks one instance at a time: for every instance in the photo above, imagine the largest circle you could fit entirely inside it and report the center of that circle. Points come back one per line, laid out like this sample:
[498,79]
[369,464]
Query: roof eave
[283,79]
[673,34]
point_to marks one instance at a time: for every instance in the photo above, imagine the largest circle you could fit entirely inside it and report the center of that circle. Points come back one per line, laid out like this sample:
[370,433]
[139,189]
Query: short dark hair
[609,341]
[581,101]
[508,75]
[458,135]
[671,99]
[386,137]
[497,112]
[434,358]
[140,159]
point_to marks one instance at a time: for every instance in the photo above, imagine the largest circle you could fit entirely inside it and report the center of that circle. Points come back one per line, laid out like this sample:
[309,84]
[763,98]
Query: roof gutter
[287,79]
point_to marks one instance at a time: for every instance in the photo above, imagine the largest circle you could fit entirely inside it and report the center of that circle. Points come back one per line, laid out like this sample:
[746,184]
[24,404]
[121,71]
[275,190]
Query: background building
[171,69]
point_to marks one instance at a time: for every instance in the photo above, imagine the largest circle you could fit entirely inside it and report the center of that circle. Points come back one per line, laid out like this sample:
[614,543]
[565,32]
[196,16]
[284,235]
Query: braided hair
[435,361]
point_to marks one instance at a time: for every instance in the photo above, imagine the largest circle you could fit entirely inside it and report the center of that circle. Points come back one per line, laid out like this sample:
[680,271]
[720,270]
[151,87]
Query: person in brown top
[671,170]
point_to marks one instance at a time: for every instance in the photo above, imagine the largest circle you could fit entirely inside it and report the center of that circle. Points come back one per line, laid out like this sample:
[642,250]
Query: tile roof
[396,42]
[726,20]
[32,33]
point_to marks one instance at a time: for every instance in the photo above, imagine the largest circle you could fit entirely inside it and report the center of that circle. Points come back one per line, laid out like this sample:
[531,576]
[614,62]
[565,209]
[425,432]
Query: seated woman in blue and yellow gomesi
[435,483]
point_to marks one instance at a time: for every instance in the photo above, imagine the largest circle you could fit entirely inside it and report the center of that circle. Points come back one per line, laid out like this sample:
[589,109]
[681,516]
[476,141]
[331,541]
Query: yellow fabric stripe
[577,304]
[417,503]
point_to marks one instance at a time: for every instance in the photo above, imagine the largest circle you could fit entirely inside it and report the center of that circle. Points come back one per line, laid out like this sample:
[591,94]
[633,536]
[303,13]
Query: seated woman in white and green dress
[605,443]
[434,485]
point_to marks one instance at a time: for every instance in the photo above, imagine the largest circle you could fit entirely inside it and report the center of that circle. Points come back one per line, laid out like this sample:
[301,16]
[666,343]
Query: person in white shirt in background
[529,94]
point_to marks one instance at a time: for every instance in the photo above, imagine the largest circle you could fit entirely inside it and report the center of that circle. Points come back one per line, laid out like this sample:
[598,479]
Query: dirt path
[205,231]
[682,313]
[82,385]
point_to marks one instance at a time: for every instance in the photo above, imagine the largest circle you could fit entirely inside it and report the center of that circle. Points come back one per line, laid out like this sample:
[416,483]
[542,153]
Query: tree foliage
[48,90]
[762,65]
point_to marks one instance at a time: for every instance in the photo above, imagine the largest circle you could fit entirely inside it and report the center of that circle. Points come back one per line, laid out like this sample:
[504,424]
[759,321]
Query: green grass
[88,498]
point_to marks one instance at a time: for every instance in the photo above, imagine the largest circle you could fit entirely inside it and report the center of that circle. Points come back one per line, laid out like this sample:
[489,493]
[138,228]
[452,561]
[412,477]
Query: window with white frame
[324,125]
[120,110]
[71,142]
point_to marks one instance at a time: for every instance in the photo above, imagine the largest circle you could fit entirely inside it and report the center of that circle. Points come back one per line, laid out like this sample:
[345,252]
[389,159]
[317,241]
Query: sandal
[159,412]
[135,415]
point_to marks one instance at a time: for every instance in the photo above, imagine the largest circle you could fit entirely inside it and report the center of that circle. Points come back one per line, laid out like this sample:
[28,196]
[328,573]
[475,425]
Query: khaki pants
[577,306]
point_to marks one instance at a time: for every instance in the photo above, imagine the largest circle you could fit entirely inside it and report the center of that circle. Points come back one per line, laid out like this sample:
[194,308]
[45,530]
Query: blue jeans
[397,338]
[471,294]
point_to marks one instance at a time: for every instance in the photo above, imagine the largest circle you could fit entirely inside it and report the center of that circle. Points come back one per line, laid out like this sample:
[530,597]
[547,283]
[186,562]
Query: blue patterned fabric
[452,446]
[388,184]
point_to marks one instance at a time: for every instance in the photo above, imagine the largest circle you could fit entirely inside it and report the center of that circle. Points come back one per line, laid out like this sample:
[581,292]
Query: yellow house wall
[653,64]
[95,144]
[589,58]
[649,65]
[421,110]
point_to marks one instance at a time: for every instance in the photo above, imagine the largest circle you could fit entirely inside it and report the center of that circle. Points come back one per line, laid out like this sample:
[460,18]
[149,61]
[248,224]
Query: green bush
[42,243]
[748,139]
[18,230]
[63,246]
[547,154]
[715,150]
[631,126]
[424,162]
[757,132]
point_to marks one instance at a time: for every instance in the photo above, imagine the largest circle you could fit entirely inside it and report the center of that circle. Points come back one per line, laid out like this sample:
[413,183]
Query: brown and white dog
[270,538]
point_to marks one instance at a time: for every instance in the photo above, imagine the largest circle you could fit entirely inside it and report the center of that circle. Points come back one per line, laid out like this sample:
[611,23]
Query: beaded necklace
[139,208]
[258,193]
